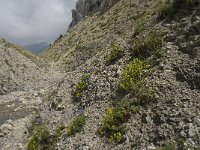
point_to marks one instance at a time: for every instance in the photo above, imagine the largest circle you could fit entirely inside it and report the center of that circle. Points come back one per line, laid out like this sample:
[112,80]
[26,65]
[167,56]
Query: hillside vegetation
[125,76]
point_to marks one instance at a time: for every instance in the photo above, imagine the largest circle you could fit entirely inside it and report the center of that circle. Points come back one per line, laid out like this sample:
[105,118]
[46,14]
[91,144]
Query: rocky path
[16,108]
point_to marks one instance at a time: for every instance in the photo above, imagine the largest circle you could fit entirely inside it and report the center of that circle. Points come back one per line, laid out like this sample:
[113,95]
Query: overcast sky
[32,21]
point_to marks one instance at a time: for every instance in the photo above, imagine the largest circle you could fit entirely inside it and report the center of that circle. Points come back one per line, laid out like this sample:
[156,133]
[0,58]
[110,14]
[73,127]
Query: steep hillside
[23,80]
[18,67]
[96,32]
[127,77]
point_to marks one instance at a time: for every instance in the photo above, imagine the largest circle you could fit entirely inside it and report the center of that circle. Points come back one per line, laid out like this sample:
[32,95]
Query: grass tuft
[170,7]
[76,125]
[115,54]
[147,46]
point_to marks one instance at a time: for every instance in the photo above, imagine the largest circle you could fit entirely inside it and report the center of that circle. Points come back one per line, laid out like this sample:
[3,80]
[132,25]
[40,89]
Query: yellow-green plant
[112,127]
[132,75]
[76,125]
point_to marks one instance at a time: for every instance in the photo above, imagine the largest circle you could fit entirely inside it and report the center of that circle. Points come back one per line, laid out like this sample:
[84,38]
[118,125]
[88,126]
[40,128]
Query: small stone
[192,131]
[148,119]
[1,134]
[38,102]
[197,121]
[60,107]
[86,147]
[161,66]
[182,133]
[6,128]
[152,147]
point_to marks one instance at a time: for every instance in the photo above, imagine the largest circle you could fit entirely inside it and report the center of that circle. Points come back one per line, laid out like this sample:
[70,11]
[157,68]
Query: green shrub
[132,80]
[115,54]
[112,127]
[144,95]
[169,146]
[159,53]
[40,138]
[76,125]
[171,7]
[80,87]
[132,75]
[147,46]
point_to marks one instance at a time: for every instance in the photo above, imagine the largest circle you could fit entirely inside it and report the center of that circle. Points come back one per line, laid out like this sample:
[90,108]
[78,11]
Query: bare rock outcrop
[86,8]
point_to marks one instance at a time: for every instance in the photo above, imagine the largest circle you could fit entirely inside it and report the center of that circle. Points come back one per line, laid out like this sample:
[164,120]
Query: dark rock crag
[86,8]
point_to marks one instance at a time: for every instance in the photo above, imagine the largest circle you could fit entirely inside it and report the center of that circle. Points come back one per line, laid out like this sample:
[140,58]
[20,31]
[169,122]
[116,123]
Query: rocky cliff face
[86,8]
[130,76]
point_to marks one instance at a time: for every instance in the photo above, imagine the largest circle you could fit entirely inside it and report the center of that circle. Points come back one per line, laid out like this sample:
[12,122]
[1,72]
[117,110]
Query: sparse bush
[132,80]
[40,138]
[115,54]
[171,7]
[159,53]
[144,95]
[112,127]
[169,146]
[80,87]
[132,75]
[76,125]
[147,46]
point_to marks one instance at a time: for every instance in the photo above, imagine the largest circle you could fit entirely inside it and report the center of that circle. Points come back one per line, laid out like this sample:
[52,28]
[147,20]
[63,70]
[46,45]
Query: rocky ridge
[86,8]
[84,50]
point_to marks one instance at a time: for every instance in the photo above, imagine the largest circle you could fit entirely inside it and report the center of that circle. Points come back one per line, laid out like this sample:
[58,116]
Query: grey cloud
[32,21]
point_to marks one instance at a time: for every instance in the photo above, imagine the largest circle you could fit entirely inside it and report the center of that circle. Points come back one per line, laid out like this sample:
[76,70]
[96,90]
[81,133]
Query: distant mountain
[37,47]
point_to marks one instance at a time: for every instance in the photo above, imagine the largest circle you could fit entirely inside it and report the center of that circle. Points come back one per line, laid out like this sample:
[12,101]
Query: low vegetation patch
[170,7]
[140,25]
[177,145]
[58,133]
[40,137]
[145,95]
[169,146]
[112,127]
[115,54]
[132,81]
[76,125]
[80,87]
[147,46]
[132,75]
